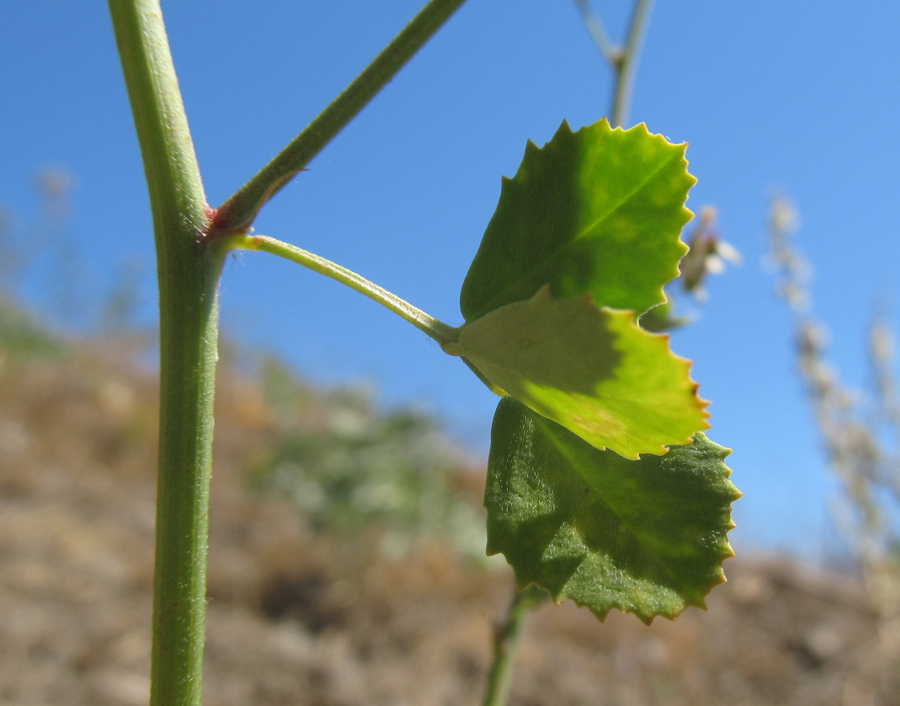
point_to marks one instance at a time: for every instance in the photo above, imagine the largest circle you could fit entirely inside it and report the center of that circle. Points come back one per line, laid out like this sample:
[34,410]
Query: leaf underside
[646,537]
[598,211]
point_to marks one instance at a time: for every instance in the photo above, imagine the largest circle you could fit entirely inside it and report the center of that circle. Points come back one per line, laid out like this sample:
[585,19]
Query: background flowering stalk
[860,444]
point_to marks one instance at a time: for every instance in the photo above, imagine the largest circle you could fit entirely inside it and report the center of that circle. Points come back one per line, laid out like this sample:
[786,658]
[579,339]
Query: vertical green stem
[506,644]
[626,66]
[188,275]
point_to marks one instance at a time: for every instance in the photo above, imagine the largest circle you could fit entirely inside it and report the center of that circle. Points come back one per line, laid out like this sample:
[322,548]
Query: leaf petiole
[442,333]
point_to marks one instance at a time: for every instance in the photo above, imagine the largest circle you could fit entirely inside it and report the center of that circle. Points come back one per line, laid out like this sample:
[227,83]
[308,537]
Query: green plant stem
[238,212]
[622,60]
[626,67]
[506,644]
[188,272]
[438,330]
[595,28]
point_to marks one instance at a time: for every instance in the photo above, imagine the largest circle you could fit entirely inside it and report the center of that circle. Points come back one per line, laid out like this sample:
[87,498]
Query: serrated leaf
[595,371]
[646,537]
[598,211]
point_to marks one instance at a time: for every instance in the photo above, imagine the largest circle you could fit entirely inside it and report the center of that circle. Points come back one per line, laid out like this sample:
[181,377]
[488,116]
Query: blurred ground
[302,618]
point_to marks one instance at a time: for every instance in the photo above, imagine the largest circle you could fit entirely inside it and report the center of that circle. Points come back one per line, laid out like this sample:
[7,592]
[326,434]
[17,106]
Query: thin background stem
[627,66]
[595,27]
[238,212]
[623,61]
[188,277]
[506,643]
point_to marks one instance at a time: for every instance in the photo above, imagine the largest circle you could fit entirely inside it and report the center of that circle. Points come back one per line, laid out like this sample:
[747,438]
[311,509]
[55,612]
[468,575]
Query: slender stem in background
[238,212]
[506,644]
[627,66]
[623,61]
[438,330]
[188,276]
[610,51]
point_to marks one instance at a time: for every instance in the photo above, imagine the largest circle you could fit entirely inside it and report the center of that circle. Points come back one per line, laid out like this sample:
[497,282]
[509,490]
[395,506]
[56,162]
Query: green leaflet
[594,371]
[594,216]
[646,537]
[598,211]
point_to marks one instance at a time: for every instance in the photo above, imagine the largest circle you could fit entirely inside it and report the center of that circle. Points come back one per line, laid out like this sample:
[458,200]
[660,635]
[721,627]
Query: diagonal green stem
[438,330]
[238,212]
[595,28]
[188,275]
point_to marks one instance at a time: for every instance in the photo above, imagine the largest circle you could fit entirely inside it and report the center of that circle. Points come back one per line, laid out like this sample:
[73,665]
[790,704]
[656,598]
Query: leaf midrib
[504,293]
[562,449]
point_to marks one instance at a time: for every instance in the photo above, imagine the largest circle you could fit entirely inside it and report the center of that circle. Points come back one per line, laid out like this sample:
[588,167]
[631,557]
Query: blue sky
[795,97]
